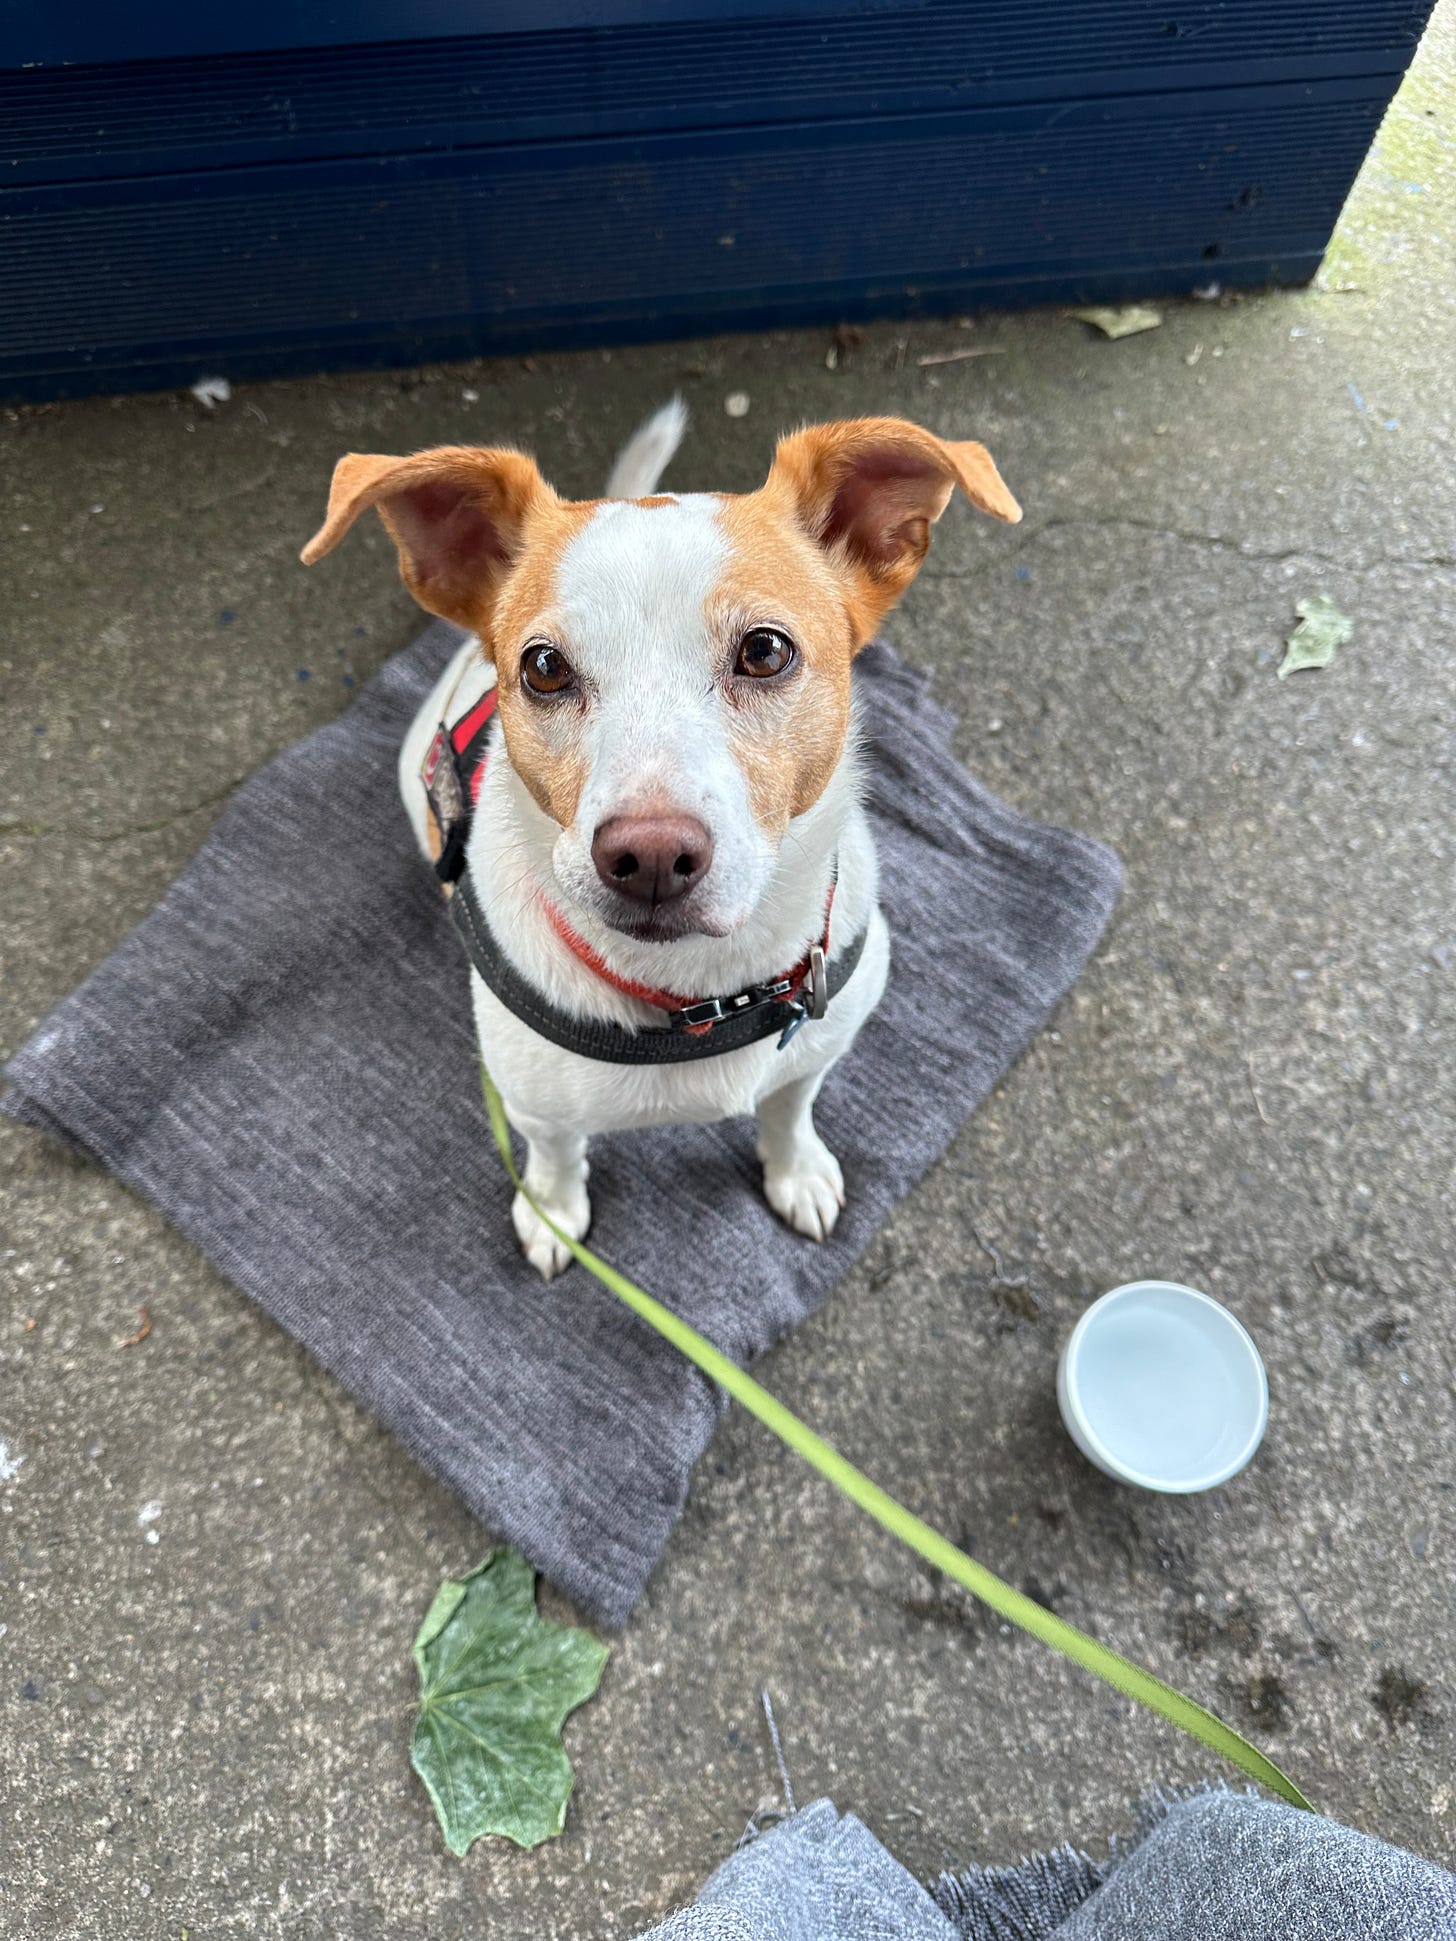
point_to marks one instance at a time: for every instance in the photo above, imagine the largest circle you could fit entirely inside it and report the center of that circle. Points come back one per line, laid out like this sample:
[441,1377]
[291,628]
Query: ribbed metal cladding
[358,204]
[507,231]
[952,53]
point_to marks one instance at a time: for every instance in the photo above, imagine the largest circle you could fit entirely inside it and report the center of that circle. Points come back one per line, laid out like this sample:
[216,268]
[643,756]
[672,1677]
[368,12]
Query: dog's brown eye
[546,670]
[763,653]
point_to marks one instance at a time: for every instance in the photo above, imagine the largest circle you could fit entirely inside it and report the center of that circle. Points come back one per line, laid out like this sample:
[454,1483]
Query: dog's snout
[652,858]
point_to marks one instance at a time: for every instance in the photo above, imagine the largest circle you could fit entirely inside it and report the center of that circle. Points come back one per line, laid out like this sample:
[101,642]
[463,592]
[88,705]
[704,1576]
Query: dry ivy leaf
[1125,321]
[1322,628]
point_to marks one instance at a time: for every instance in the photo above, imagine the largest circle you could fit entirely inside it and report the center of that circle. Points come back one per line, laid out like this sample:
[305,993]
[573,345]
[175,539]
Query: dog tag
[795,1023]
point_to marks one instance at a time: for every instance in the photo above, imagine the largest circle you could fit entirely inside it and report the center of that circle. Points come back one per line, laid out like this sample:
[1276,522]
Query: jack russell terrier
[637,779]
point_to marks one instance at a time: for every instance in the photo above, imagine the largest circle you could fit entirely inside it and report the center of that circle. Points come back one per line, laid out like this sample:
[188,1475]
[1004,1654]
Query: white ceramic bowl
[1162,1387]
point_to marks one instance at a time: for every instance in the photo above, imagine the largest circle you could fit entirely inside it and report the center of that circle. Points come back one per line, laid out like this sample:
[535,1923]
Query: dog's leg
[801,1177]
[555,1173]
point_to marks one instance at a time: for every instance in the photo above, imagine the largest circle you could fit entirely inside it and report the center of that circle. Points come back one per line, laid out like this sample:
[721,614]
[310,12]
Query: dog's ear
[869,490]
[454,514]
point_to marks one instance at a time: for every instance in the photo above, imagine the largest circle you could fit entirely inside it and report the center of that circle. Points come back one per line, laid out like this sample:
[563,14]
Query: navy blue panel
[287,106]
[300,353]
[576,241]
[690,165]
[42,32]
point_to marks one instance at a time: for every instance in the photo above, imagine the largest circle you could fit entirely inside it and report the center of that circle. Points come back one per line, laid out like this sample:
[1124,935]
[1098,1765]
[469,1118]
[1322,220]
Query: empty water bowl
[1162,1387]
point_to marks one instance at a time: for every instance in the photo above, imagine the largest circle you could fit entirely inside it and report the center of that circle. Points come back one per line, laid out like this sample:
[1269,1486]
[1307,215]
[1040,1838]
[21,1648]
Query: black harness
[453,771]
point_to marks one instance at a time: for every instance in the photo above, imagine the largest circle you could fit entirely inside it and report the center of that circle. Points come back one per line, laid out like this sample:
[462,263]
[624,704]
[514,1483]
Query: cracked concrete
[1251,1089]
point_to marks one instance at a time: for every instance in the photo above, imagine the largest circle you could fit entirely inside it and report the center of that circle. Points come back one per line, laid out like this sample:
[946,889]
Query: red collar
[694,1015]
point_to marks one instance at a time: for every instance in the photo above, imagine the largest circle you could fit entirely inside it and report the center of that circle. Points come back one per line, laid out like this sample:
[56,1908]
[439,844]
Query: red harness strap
[453,787]
[468,730]
[792,980]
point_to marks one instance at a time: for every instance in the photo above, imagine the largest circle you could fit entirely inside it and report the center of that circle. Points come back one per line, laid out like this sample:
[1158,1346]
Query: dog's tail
[644,458]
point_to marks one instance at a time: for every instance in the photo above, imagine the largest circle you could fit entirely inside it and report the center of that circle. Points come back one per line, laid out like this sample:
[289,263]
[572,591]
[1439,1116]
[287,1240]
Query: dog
[637,779]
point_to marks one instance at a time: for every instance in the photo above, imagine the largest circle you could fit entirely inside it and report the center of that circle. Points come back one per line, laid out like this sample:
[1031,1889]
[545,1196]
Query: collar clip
[713,1010]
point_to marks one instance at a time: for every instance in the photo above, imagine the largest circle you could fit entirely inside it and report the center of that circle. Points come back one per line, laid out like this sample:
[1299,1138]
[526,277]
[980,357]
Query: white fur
[644,458]
[633,588]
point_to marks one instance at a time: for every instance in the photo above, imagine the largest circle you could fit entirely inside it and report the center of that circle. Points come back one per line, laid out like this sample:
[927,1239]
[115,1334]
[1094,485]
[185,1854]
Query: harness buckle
[709,1011]
[713,1010]
[440,774]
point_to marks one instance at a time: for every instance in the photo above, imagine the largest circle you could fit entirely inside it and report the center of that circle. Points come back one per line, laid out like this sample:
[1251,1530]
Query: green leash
[1119,1672]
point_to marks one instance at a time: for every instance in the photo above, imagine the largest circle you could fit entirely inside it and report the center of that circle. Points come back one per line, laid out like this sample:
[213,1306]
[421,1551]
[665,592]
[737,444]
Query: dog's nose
[652,858]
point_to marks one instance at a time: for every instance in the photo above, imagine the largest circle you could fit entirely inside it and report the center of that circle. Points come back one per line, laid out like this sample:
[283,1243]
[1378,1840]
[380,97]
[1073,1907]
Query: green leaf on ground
[1322,628]
[496,1683]
[1126,321]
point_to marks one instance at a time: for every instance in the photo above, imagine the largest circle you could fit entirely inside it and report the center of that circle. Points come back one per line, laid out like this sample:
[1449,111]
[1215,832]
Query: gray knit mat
[281,1058]
[1208,1866]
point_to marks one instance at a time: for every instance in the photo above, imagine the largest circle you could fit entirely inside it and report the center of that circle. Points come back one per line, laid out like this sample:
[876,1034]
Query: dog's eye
[546,670]
[763,653]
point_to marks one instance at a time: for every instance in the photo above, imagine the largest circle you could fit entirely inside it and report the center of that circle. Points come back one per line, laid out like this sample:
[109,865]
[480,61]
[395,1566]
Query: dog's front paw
[808,1193]
[546,1253]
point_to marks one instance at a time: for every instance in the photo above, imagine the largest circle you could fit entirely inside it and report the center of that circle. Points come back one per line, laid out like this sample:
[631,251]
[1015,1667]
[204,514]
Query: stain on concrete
[1266,1701]
[1016,1301]
[937,1599]
[1052,1597]
[1205,1624]
[1379,1338]
[1402,1699]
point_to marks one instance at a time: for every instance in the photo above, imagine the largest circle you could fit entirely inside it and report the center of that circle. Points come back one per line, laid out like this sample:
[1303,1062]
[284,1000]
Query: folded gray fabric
[1228,1867]
[1215,1866]
[281,1058]
[816,1877]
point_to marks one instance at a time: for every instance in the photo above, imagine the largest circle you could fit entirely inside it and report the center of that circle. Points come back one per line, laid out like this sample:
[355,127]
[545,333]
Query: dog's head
[674,671]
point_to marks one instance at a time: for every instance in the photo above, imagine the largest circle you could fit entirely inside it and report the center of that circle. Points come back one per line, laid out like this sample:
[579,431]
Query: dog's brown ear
[869,490]
[455,515]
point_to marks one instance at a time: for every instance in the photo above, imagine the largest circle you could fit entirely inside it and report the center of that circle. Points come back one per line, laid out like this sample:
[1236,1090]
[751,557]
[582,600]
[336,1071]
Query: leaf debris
[134,1340]
[1322,628]
[1124,320]
[496,1684]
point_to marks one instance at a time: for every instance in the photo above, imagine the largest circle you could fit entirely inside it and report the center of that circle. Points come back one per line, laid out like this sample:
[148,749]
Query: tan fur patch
[826,546]
[480,535]
[789,738]
[544,743]
[869,490]
[455,515]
